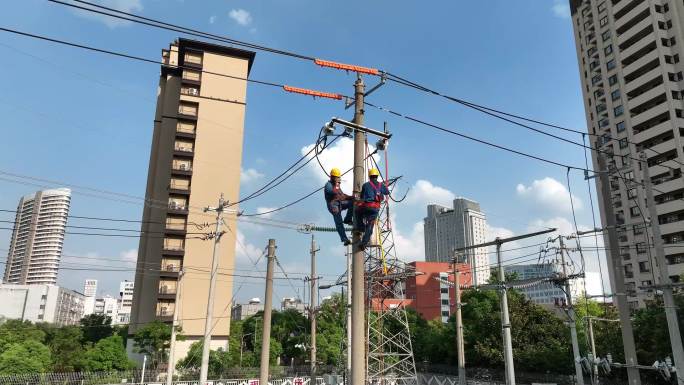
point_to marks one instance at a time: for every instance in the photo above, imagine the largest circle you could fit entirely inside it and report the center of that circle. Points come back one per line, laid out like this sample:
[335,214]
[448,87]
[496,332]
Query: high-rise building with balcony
[630,56]
[446,229]
[195,157]
[37,238]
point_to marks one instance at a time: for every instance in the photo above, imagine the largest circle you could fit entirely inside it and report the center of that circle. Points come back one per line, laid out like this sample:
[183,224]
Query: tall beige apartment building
[630,56]
[195,157]
[37,238]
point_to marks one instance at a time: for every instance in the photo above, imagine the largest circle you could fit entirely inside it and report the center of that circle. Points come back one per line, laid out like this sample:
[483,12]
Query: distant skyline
[86,119]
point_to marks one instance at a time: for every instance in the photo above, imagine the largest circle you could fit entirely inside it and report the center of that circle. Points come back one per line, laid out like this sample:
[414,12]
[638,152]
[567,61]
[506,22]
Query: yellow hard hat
[373,172]
[335,172]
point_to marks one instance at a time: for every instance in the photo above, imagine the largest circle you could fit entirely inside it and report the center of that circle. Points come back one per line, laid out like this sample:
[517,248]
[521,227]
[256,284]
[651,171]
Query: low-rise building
[240,312]
[293,303]
[429,291]
[41,303]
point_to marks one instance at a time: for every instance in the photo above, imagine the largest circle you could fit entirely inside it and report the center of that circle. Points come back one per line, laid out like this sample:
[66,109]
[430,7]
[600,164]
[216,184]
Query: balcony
[177,208]
[188,111]
[184,151]
[165,314]
[170,269]
[166,292]
[181,169]
[179,188]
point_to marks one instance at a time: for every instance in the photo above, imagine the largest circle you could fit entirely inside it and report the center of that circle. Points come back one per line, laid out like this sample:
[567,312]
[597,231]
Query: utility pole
[615,265]
[268,307]
[665,282]
[142,375]
[348,309]
[172,345]
[204,367]
[505,319]
[571,315]
[460,354]
[358,350]
[594,368]
[312,308]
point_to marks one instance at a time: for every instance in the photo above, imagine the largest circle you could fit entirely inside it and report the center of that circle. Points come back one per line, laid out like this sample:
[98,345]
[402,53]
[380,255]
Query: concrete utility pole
[358,350]
[312,308]
[665,282]
[268,307]
[617,276]
[172,345]
[348,309]
[204,367]
[594,368]
[571,314]
[505,319]
[460,354]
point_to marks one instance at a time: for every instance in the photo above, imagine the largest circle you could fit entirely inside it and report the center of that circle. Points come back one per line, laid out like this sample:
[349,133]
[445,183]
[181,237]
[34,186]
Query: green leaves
[108,354]
[30,356]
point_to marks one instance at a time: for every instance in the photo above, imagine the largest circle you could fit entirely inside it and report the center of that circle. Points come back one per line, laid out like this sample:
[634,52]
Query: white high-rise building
[90,288]
[631,60]
[37,238]
[447,229]
[125,303]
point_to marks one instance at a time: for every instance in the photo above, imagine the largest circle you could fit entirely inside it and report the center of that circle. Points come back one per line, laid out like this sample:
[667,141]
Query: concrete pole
[204,367]
[505,321]
[615,265]
[665,282]
[312,309]
[460,354]
[349,302]
[142,375]
[268,307]
[358,346]
[571,314]
[594,368]
[172,345]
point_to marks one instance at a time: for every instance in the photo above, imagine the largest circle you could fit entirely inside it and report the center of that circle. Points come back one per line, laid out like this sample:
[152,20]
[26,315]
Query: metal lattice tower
[389,351]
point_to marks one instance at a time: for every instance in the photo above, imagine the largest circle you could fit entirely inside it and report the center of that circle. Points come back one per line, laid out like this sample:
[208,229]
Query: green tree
[17,331]
[153,340]
[67,349]
[96,327]
[29,356]
[107,354]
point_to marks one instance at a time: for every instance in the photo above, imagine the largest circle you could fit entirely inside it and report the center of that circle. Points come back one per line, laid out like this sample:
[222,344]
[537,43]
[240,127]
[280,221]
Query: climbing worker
[368,206]
[337,201]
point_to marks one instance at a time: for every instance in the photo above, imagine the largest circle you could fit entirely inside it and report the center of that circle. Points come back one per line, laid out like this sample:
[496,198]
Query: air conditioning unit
[171,267]
[183,167]
[193,91]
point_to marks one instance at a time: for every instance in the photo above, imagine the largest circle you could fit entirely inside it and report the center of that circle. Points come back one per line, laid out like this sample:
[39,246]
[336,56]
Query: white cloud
[245,252]
[250,175]
[423,193]
[340,155]
[240,16]
[550,194]
[131,6]
[561,9]
[410,247]
[212,19]
[129,256]
[262,210]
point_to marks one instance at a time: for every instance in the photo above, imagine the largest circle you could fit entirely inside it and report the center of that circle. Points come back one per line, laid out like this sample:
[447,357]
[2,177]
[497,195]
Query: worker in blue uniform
[337,201]
[367,207]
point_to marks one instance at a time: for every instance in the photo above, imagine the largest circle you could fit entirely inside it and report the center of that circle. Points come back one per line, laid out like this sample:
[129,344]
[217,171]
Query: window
[601,7]
[612,80]
[604,122]
[444,290]
[631,193]
[623,143]
[595,79]
[638,229]
[634,211]
[606,35]
[643,267]
[675,76]
[626,161]
[615,95]
[620,126]
[610,65]
[445,302]
[445,313]
[604,21]
[641,247]
[191,75]
[629,175]
[646,283]
[619,110]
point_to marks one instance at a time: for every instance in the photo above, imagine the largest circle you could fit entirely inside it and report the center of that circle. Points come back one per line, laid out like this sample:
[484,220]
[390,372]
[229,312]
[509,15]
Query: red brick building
[431,298]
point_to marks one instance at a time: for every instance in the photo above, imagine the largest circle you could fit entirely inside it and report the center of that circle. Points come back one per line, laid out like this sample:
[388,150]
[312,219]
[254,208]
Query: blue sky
[85,119]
